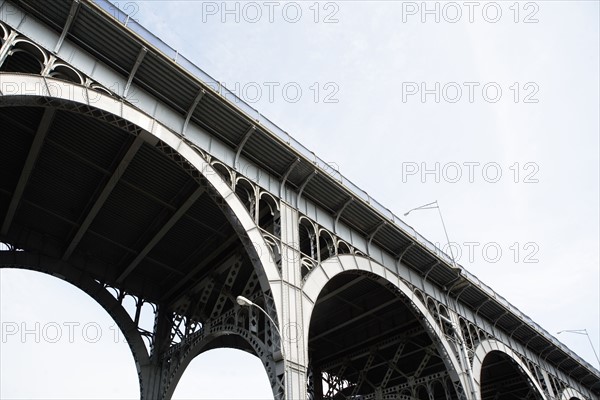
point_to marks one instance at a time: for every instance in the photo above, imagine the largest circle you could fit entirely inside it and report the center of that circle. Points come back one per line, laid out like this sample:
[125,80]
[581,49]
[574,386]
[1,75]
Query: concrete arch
[487,346]
[570,394]
[67,273]
[320,275]
[24,89]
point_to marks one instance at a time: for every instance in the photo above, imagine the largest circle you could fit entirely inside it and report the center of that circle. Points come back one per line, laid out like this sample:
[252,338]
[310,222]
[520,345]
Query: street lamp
[244,302]
[431,206]
[582,332]
[465,358]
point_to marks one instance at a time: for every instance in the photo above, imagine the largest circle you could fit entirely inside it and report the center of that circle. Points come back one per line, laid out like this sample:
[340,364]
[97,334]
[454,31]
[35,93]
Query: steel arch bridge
[130,173]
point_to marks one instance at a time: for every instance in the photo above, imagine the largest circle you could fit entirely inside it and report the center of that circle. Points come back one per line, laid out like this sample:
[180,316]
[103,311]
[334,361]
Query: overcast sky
[491,110]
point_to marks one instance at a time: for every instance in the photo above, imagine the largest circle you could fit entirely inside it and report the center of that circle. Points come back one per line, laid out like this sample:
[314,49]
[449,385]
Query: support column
[153,379]
[5,49]
[317,383]
[466,375]
[289,300]
[548,384]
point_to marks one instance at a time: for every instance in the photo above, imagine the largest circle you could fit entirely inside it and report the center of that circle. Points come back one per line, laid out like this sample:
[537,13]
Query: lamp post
[464,359]
[582,332]
[244,302]
[430,206]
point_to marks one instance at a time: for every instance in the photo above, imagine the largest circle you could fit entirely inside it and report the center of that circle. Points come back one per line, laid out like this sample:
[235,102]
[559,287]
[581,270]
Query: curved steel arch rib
[32,90]
[327,270]
[195,346]
[488,346]
[64,271]
[202,340]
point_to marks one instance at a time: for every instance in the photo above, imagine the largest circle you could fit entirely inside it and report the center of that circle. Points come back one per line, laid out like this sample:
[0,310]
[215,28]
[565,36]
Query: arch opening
[243,329]
[326,245]
[223,172]
[343,248]
[269,218]
[59,342]
[24,57]
[502,378]
[308,242]
[366,340]
[308,246]
[246,193]
[193,269]
[224,373]
[66,73]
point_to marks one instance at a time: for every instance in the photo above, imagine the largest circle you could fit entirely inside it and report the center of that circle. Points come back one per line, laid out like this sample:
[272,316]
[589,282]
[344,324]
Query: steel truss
[163,353]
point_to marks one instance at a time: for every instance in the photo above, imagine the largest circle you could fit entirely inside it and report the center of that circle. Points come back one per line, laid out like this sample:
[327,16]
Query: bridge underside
[501,378]
[119,207]
[113,205]
[367,342]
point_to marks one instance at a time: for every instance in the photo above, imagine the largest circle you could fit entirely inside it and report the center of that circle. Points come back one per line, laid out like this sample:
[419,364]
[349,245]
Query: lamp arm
[447,238]
[593,348]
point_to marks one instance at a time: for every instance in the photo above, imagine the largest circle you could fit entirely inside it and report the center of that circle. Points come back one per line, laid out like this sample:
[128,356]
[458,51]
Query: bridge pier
[291,312]
[150,387]
[154,378]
